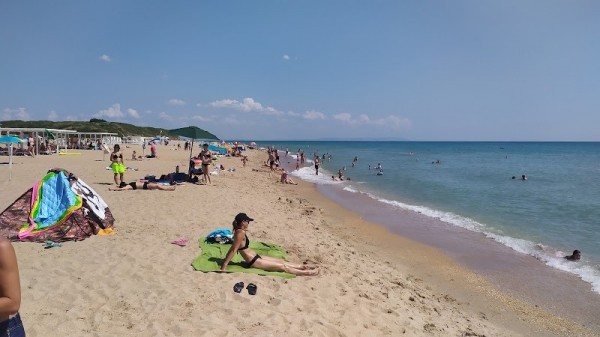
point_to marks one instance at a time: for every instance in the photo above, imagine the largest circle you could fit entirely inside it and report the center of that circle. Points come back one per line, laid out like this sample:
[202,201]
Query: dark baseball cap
[241,217]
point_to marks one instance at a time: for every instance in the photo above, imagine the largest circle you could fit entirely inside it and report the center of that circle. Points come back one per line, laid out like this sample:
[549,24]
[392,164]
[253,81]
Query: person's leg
[270,265]
[289,264]
[121,176]
[115,178]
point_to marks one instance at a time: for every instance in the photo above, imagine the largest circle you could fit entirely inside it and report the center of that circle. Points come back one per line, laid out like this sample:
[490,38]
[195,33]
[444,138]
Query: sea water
[470,185]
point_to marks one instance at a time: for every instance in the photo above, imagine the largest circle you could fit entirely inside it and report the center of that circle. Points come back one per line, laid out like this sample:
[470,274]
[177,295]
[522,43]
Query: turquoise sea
[547,216]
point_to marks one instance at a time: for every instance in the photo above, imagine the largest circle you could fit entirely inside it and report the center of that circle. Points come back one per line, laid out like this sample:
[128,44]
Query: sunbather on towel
[142,186]
[241,245]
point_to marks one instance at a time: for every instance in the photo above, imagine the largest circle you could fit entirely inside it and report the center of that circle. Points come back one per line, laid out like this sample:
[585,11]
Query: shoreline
[437,268]
[135,283]
[517,274]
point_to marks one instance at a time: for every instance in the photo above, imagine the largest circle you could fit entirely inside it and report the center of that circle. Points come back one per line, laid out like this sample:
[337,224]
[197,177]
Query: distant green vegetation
[94,125]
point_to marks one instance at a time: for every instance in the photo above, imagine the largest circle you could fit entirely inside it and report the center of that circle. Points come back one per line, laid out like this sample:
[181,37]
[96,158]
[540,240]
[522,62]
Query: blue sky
[417,70]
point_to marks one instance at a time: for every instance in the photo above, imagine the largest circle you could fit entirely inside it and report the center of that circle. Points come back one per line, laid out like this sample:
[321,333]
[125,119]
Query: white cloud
[133,113]
[272,111]
[392,121]
[224,103]
[246,105]
[313,115]
[71,118]
[201,118]
[286,57]
[19,113]
[175,101]
[344,117]
[397,122]
[249,104]
[105,58]
[231,120]
[52,115]
[112,112]
[164,115]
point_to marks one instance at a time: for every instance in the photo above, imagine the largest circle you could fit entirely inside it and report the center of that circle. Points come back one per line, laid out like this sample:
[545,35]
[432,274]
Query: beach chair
[195,174]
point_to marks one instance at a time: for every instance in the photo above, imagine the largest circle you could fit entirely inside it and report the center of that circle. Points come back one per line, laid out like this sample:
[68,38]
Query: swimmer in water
[575,257]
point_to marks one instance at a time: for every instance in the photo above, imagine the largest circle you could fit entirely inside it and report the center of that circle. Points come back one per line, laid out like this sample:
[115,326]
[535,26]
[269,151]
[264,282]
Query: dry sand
[135,283]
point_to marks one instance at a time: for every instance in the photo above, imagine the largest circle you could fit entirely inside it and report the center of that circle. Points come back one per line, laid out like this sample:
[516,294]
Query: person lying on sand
[241,245]
[143,186]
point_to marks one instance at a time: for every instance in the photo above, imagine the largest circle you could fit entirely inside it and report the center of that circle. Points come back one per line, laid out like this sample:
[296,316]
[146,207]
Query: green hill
[94,125]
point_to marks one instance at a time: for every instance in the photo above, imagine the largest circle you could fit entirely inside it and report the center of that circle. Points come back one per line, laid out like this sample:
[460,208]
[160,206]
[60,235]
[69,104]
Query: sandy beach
[136,283]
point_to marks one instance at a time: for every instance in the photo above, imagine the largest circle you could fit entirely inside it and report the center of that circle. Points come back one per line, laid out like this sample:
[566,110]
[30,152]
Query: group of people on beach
[118,168]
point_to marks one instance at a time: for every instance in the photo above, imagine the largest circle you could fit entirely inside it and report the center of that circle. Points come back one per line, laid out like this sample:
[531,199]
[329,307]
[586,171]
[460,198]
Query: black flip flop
[238,287]
[251,289]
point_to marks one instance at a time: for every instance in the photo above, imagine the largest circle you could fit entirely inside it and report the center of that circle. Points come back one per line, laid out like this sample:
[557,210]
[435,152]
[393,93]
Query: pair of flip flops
[240,285]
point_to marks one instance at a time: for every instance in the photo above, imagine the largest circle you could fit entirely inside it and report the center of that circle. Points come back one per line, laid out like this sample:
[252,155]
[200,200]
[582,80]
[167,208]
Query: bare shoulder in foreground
[10,292]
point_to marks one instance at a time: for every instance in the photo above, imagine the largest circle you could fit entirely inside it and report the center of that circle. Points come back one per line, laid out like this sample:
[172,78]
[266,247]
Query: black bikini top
[247,243]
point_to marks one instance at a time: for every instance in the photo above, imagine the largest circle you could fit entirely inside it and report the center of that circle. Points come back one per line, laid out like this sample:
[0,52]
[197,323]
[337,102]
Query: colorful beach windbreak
[56,208]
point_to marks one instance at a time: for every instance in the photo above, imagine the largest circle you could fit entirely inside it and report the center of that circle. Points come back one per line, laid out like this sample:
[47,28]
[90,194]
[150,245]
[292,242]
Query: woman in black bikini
[142,186]
[206,158]
[241,245]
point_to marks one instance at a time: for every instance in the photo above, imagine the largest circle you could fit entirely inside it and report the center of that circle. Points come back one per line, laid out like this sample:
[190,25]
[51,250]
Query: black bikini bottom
[134,185]
[249,264]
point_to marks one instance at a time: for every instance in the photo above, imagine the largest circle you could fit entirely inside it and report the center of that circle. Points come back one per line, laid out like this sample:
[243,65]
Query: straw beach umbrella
[10,140]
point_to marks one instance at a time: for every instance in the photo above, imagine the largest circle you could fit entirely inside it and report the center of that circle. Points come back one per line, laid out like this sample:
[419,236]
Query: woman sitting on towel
[241,245]
[10,292]
[142,186]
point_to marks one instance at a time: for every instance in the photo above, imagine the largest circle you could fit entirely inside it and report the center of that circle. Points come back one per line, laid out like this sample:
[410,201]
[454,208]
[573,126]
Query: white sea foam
[549,256]
[349,188]
[308,174]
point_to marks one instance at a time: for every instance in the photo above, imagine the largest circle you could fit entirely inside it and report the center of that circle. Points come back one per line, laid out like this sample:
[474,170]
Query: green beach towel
[213,255]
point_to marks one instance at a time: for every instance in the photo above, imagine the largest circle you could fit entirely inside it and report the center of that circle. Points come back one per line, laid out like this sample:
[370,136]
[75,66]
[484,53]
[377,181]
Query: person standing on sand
[31,146]
[206,158]
[118,167]
[10,292]
[153,150]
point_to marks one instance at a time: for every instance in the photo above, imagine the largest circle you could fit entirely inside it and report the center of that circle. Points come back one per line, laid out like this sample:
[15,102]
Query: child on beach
[241,245]
[285,179]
